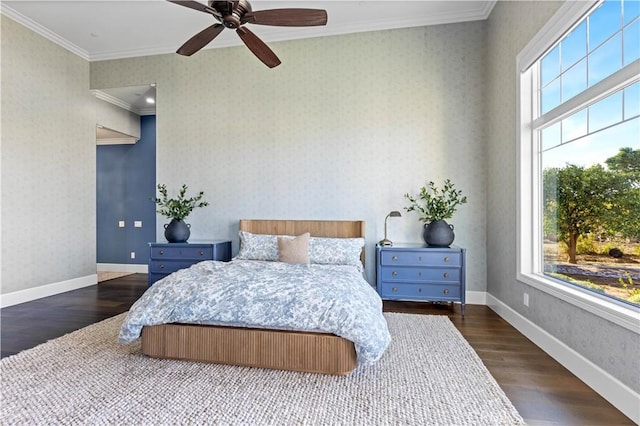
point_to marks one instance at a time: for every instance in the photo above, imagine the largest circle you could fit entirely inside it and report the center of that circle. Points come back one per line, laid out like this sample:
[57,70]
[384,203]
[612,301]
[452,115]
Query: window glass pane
[604,22]
[631,10]
[574,47]
[576,239]
[550,66]
[574,126]
[595,148]
[606,60]
[632,101]
[605,112]
[574,80]
[631,36]
[550,96]
[550,136]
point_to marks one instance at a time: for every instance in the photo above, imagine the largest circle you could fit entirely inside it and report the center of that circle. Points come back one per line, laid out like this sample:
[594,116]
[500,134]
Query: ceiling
[137,99]
[99,30]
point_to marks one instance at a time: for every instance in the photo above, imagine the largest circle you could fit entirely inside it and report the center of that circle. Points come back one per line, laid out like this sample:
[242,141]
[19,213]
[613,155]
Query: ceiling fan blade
[200,40]
[258,47]
[192,4]
[287,17]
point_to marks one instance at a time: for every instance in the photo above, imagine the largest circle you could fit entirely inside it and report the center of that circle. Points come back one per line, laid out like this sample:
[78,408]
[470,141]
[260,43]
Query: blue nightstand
[416,272]
[165,258]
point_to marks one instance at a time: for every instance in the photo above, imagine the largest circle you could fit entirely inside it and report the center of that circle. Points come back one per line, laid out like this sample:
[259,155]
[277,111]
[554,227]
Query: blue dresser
[415,272]
[165,258]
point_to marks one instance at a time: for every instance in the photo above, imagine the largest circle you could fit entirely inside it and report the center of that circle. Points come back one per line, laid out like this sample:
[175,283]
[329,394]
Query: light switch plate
[121,224]
[137,224]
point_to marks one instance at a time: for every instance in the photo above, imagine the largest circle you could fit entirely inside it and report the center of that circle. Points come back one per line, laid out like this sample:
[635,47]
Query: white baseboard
[29,294]
[123,267]
[476,297]
[610,388]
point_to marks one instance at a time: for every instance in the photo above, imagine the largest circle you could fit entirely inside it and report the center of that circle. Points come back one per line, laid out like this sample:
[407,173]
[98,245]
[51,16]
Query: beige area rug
[429,375]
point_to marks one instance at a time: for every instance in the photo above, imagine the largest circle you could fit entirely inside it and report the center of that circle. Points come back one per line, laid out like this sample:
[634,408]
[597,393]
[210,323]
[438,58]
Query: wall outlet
[137,224]
[121,224]
[133,254]
[526,299]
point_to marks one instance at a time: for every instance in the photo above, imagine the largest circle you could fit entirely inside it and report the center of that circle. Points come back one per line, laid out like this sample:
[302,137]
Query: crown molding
[116,141]
[272,34]
[113,100]
[43,31]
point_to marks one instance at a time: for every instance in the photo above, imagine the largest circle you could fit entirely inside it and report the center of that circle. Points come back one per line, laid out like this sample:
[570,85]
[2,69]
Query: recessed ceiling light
[151,101]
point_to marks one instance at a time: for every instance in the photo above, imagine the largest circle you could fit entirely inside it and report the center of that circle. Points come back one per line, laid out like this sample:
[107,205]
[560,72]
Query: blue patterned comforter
[247,293]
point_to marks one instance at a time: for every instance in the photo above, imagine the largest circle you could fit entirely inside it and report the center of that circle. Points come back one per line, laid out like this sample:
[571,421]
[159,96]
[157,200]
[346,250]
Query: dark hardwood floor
[544,392]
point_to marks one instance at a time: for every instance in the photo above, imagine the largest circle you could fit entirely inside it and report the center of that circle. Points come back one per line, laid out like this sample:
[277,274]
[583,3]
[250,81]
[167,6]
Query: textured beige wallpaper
[341,130]
[48,162]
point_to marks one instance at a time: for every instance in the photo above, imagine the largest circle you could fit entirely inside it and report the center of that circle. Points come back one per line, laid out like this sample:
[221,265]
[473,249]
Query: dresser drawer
[165,258]
[400,273]
[420,258]
[168,266]
[164,252]
[435,292]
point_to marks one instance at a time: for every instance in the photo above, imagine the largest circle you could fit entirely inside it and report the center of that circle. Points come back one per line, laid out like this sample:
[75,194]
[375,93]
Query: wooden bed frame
[285,350]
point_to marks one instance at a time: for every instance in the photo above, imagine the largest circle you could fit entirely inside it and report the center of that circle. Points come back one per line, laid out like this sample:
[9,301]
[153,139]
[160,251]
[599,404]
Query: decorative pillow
[336,251]
[294,250]
[258,247]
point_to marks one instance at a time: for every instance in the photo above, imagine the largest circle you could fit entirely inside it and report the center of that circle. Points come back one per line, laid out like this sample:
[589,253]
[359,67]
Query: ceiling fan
[235,14]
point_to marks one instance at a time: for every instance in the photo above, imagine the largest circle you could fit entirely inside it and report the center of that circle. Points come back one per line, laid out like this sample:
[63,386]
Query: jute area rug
[428,376]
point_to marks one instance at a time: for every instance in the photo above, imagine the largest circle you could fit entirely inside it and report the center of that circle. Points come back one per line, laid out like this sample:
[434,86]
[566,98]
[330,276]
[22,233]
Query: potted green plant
[434,205]
[177,209]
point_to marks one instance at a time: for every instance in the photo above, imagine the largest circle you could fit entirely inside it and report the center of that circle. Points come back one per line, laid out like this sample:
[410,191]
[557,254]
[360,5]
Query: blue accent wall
[125,182]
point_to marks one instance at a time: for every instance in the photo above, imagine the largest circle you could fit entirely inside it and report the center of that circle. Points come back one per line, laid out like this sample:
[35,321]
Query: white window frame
[529,244]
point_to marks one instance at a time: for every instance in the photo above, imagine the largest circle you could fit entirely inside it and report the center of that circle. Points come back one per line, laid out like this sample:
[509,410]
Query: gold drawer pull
[161,251]
[394,289]
[446,291]
[446,275]
[161,266]
[394,258]
[394,273]
[446,258]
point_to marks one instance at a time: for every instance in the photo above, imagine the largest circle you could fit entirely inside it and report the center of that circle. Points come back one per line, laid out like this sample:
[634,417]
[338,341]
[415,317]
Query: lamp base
[385,242]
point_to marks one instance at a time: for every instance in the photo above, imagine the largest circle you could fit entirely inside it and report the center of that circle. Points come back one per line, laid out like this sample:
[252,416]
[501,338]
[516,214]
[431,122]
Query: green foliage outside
[600,201]
[627,284]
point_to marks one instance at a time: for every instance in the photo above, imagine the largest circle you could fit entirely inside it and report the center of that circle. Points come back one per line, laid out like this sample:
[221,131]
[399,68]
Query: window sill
[624,316]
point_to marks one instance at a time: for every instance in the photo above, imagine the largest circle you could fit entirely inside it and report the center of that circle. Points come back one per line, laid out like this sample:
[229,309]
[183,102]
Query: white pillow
[322,250]
[336,251]
[258,247]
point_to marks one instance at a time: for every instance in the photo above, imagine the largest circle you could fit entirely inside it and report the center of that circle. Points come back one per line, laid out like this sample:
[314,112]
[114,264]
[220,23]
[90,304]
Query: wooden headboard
[317,228]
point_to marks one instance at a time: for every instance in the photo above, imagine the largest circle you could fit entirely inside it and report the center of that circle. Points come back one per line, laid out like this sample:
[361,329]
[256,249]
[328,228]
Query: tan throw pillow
[294,250]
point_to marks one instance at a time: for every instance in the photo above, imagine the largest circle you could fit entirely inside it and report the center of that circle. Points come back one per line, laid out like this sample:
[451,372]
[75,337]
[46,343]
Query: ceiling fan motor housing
[231,11]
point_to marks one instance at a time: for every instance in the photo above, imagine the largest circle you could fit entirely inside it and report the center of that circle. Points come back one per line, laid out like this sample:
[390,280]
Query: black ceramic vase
[438,234]
[177,231]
